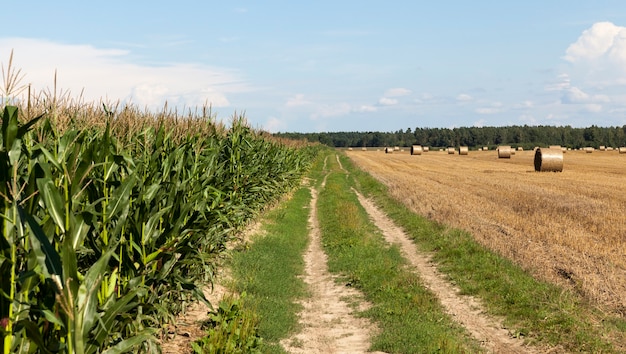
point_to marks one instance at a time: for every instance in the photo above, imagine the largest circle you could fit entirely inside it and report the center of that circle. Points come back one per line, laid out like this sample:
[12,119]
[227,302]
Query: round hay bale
[463,150]
[480,149]
[504,152]
[389,150]
[416,150]
[548,160]
[425,148]
[451,151]
[589,149]
[621,149]
[602,148]
[363,149]
[485,148]
[519,148]
[555,146]
[396,148]
[349,149]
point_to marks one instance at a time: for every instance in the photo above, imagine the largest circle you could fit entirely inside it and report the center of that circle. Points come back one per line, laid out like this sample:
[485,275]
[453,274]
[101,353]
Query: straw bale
[504,152]
[451,150]
[519,148]
[602,148]
[416,150]
[485,148]
[389,150]
[396,148]
[463,150]
[621,149]
[425,148]
[363,149]
[548,160]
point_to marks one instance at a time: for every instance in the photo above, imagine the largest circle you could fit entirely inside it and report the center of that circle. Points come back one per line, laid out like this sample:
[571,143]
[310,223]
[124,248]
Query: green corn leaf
[47,257]
[78,232]
[128,344]
[121,196]
[33,334]
[87,300]
[21,131]
[106,323]
[53,200]
[9,126]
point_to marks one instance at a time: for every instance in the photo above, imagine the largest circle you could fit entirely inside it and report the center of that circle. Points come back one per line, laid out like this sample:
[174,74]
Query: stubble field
[565,227]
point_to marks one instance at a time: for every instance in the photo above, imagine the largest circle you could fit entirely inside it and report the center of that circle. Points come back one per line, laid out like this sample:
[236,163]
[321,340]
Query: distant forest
[473,137]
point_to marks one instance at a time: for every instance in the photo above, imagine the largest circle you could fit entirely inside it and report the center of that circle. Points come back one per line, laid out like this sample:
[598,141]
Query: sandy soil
[464,309]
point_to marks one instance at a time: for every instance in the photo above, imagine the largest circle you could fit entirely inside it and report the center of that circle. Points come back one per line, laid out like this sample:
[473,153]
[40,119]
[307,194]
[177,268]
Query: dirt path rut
[464,309]
[328,323]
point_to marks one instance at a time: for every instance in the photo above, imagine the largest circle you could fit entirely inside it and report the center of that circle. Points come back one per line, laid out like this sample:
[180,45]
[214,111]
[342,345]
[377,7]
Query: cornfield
[112,221]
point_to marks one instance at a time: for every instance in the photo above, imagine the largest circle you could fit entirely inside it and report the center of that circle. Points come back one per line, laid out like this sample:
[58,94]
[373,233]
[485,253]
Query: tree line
[524,136]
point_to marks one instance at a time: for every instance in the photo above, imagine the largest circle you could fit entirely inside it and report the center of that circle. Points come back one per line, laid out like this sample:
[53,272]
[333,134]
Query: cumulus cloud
[602,40]
[397,92]
[367,108]
[297,100]
[274,125]
[386,101]
[110,74]
[574,95]
[464,97]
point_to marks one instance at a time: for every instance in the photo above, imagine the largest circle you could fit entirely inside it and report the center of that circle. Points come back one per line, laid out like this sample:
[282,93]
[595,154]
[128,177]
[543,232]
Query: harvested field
[567,227]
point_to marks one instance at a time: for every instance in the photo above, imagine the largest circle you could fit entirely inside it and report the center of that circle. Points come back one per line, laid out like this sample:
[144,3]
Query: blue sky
[310,66]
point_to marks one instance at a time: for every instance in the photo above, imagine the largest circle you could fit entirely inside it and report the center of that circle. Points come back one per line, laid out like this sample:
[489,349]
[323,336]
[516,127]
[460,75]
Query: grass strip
[539,311]
[410,318]
[267,271]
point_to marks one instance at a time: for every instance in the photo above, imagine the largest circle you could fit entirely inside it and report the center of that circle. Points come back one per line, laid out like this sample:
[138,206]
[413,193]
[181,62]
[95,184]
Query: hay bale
[363,149]
[504,152]
[349,149]
[451,151]
[602,148]
[621,149]
[396,148]
[426,149]
[548,160]
[463,150]
[554,146]
[589,149]
[485,148]
[519,148]
[389,150]
[416,150]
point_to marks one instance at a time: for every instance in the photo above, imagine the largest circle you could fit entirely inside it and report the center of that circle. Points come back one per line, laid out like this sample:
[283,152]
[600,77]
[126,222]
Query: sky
[329,66]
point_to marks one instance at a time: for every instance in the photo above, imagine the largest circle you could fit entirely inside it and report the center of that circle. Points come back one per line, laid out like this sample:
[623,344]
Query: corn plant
[108,233]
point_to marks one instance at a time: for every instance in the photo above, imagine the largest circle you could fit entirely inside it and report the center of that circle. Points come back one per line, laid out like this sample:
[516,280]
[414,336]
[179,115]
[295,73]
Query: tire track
[327,320]
[464,309]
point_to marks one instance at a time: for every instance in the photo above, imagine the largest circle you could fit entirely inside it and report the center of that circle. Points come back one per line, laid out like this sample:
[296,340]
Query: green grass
[410,318]
[538,311]
[268,270]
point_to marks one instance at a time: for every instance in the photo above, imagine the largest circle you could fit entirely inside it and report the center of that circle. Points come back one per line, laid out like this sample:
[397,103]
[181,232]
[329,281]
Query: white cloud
[331,110]
[385,101]
[524,105]
[397,92]
[297,100]
[274,125]
[464,97]
[110,74]
[367,108]
[479,123]
[602,39]
[574,95]
[487,110]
